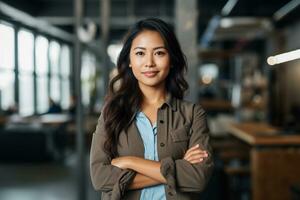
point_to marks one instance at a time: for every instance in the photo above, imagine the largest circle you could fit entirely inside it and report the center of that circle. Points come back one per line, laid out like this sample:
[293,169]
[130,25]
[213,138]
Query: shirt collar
[142,115]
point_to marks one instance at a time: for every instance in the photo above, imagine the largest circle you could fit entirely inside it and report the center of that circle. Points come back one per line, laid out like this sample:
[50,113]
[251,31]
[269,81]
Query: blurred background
[57,56]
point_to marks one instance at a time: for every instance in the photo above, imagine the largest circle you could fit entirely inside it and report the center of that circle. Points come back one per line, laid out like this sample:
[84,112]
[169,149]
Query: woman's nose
[150,62]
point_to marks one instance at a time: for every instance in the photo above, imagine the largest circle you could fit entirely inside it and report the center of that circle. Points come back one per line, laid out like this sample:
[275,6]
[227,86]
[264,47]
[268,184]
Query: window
[7,65]
[88,75]
[42,74]
[54,53]
[7,47]
[65,77]
[26,86]
[7,89]
[48,76]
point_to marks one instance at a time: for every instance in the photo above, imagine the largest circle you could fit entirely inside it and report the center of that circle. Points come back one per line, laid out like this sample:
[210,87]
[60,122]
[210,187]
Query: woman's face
[149,59]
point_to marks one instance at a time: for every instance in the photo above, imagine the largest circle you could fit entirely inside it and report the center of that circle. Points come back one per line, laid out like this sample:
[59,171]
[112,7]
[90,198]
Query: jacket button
[161,121]
[170,193]
[162,144]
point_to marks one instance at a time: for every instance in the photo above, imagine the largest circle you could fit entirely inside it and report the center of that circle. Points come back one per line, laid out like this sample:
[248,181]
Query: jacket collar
[171,102]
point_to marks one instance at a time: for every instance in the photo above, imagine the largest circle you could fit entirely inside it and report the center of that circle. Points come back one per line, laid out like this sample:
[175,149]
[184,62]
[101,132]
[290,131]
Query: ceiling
[125,12]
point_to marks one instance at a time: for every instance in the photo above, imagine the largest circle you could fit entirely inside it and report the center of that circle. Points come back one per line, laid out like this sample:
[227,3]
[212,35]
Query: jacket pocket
[181,134]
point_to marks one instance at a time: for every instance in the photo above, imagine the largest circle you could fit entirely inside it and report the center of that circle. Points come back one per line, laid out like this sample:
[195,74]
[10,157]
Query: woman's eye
[160,53]
[139,53]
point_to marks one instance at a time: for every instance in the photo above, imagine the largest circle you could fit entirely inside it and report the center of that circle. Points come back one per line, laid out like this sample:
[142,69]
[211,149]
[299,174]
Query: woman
[149,143]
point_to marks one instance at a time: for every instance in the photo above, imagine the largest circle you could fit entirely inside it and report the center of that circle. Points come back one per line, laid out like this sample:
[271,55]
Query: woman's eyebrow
[162,47]
[143,48]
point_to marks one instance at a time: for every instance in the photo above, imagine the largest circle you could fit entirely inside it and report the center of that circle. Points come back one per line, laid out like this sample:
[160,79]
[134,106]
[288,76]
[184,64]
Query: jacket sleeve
[106,177]
[180,174]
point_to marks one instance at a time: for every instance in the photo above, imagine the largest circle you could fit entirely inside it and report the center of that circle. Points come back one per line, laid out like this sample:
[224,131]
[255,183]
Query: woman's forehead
[148,39]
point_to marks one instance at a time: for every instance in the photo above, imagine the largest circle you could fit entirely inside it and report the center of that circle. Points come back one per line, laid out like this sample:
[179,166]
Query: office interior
[56,60]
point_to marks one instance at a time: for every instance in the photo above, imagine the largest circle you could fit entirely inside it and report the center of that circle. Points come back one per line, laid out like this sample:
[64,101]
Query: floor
[42,181]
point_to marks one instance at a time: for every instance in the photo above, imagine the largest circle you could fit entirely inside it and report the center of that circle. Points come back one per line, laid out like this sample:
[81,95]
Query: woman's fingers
[192,148]
[117,162]
[194,151]
[195,161]
[195,156]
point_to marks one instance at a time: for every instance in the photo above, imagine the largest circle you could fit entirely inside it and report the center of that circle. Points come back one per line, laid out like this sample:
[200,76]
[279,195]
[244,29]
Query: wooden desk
[275,160]
[2,120]
[54,119]
[46,119]
[41,136]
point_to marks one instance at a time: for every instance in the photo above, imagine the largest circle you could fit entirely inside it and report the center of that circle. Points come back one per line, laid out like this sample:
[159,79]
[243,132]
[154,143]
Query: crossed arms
[148,171]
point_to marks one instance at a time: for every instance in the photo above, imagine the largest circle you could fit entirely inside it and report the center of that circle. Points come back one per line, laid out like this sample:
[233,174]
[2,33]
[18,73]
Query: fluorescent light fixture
[286,9]
[259,22]
[226,23]
[285,57]
[228,7]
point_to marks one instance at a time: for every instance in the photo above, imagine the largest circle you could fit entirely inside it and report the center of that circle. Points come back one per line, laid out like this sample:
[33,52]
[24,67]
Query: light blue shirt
[149,136]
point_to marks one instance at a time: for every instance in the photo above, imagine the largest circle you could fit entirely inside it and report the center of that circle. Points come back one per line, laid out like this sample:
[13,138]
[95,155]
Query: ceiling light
[226,23]
[278,15]
[285,57]
[206,79]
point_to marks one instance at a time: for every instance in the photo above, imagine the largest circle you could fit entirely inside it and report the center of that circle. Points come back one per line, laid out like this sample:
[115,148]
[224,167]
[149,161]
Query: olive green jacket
[180,125]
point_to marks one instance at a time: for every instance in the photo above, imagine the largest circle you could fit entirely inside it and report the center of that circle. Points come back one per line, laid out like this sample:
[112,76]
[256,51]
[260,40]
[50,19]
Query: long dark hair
[124,96]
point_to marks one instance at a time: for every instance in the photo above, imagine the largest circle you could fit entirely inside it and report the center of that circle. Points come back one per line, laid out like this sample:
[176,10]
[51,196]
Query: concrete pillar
[17,87]
[186,15]
[105,29]
[80,137]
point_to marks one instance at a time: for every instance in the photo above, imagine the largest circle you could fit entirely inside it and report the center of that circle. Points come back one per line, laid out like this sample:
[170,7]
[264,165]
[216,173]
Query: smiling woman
[150,143]
[149,59]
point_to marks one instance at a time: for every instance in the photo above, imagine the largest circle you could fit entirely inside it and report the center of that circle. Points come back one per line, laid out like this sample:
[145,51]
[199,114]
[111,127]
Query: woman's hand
[121,162]
[195,155]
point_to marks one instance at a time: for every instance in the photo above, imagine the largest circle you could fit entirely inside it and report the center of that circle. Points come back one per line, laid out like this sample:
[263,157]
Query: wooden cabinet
[274,160]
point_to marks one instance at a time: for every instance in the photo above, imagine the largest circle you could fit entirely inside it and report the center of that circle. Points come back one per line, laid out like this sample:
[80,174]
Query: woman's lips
[150,74]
